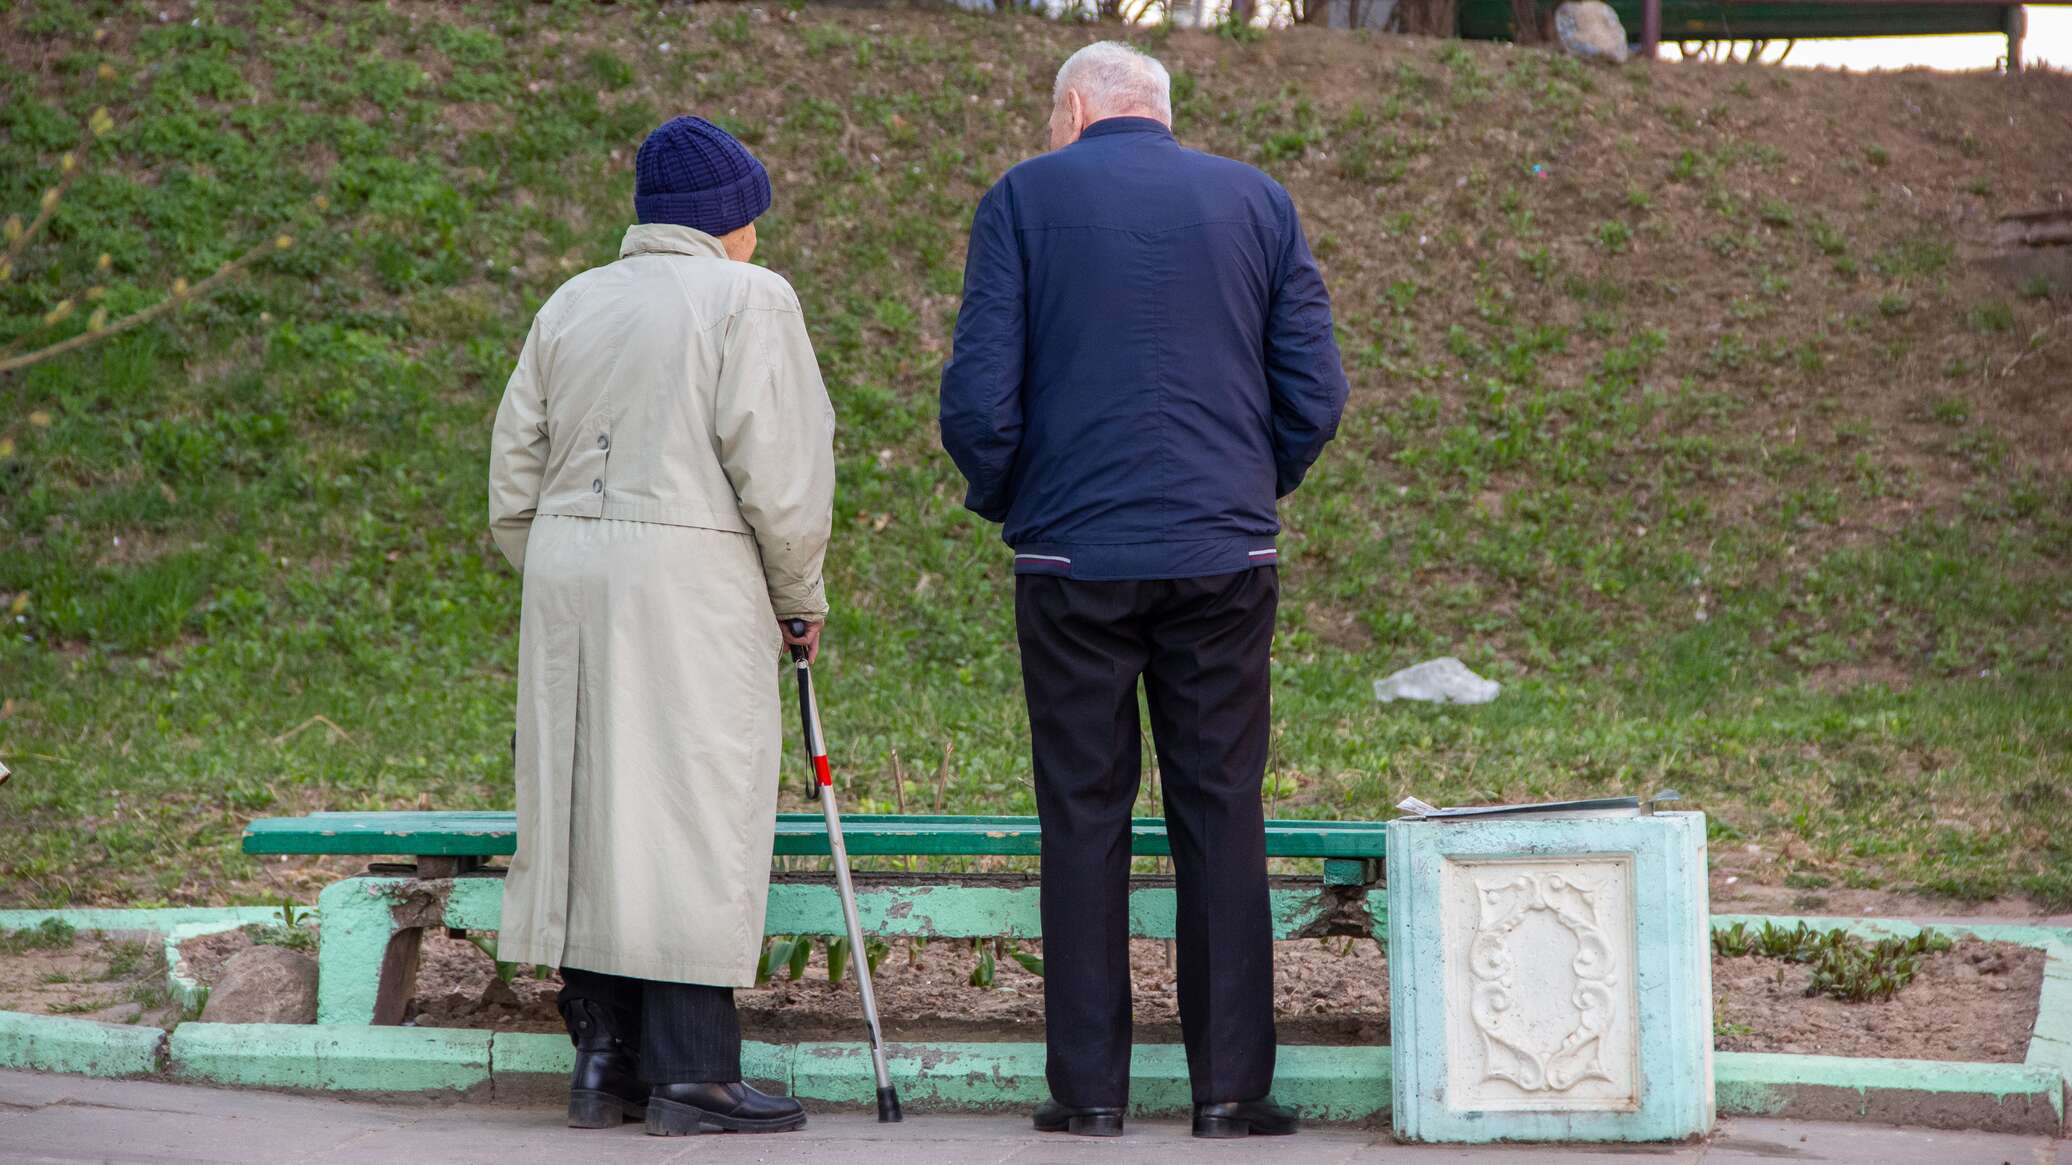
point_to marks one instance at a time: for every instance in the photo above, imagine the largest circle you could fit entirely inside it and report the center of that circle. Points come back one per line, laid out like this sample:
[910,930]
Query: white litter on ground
[1437,681]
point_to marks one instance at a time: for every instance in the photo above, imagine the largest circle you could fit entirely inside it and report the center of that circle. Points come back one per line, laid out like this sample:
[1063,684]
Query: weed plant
[1842,965]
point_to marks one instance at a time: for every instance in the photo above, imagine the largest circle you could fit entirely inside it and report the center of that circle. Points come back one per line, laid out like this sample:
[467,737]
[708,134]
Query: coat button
[603,442]
[597,487]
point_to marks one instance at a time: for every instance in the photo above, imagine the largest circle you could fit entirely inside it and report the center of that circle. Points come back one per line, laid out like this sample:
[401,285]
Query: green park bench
[373,922]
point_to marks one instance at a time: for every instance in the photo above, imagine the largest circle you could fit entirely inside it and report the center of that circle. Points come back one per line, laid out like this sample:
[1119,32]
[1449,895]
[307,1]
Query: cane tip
[888,1107]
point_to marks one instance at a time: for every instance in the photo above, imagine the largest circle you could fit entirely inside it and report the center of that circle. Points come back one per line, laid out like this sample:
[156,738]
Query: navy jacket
[1143,362]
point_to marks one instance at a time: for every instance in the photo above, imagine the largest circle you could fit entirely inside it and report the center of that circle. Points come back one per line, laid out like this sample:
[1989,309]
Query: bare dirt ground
[1976,1002]
[1750,879]
[113,979]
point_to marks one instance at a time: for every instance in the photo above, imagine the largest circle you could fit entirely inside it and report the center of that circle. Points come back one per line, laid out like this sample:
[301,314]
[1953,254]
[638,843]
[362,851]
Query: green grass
[1637,438]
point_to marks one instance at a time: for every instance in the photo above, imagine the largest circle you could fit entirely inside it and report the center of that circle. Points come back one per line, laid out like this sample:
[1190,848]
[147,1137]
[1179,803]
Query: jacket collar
[661,238]
[1120,125]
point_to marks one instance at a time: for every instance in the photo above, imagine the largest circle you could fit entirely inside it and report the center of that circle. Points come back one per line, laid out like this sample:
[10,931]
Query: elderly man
[662,472]
[1142,365]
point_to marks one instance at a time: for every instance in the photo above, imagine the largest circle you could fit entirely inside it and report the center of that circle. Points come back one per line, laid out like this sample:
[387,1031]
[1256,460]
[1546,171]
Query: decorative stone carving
[1550,980]
[1539,961]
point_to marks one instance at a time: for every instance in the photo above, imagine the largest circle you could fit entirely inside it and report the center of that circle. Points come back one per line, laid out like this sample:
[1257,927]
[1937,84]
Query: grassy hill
[1677,407]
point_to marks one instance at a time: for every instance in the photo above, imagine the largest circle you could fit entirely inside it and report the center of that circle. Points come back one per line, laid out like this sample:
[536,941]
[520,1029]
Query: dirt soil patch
[107,977]
[1975,1002]
[1320,997]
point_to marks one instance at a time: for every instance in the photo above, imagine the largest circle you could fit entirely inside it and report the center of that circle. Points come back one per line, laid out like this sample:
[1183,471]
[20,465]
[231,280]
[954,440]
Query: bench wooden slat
[493,833]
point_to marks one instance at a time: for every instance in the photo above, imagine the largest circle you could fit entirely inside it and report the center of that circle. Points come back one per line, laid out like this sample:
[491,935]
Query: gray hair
[1114,79]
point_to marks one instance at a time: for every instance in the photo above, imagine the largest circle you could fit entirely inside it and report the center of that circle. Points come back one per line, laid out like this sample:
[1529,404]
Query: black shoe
[678,1110]
[1242,1118]
[1052,1117]
[605,1090]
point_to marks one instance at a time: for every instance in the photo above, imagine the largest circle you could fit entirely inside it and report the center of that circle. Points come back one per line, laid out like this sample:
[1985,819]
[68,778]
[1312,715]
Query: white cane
[816,750]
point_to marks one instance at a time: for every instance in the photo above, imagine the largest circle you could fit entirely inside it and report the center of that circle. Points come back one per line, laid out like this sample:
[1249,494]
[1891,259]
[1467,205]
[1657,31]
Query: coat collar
[661,238]
[1117,125]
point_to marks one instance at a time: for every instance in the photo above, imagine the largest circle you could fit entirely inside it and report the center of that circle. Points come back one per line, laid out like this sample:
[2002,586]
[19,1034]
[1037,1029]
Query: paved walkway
[69,1119]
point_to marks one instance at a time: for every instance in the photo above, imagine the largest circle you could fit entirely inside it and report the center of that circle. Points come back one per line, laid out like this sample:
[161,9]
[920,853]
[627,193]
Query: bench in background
[373,923]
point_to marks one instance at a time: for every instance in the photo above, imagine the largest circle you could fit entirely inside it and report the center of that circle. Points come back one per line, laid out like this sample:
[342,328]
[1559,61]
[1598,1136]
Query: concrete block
[53,1043]
[358,924]
[1550,980]
[2005,1098]
[333,1057]
[475,903]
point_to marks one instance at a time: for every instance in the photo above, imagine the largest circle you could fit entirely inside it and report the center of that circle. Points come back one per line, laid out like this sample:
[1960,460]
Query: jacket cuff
[806,602]
[990,504]
[511,538]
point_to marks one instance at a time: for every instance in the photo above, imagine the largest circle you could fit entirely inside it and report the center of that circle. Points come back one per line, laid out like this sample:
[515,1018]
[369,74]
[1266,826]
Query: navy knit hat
[692,173]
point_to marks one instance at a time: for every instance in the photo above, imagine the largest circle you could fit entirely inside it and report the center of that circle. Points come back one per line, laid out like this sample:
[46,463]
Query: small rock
[266,984]
[1591,30]
[497,993]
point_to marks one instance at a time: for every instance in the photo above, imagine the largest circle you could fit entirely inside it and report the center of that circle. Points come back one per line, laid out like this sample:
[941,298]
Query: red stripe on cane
[820,767]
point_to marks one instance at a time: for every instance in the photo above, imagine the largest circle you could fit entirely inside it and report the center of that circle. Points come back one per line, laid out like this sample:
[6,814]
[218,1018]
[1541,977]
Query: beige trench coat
[662,474]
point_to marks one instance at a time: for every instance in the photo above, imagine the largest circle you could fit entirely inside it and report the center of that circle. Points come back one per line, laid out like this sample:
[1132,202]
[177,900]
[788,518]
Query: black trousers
[1201,646]
[685,1033]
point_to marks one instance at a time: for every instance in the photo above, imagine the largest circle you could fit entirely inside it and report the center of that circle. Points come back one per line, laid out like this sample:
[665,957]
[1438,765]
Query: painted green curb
[1328,1084]
[2050,1044]
[83,1047]
[2011,1098]
[530,1067]
[333,1058]
[1336,1084]
[959,1077]
[152,919]
[530,1054]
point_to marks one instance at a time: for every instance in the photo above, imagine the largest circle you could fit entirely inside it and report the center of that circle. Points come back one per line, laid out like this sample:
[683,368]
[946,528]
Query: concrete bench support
[1550,980]
[367,956]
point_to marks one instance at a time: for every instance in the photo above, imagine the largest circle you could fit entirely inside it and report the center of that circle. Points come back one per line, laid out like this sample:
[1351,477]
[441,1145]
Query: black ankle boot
[677,1110]
[605,1090]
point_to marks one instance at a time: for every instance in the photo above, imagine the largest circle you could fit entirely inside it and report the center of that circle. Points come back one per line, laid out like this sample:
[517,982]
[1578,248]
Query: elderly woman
[663,475]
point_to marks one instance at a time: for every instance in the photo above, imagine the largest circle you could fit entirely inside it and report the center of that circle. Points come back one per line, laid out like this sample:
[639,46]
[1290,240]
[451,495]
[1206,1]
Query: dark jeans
[1201,646]
[685,1033]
